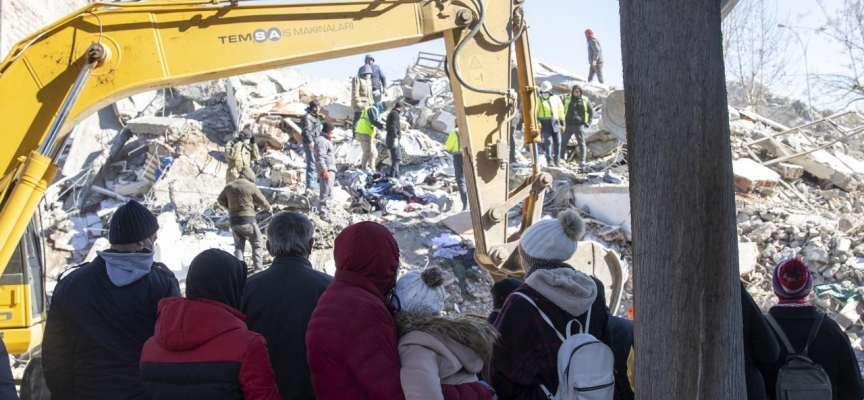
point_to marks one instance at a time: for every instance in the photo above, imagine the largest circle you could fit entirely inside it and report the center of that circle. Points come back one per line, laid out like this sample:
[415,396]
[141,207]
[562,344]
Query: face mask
[148,245]
[545,95]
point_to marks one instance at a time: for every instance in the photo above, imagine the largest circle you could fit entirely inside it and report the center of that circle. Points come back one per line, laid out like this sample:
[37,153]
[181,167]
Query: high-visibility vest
[550,108]
[364,126]
[567,101]
[452,144]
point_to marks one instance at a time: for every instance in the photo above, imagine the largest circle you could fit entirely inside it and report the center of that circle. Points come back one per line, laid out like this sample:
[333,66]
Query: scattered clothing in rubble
[394,134]
[311,127]
[278,304]
[365,133]
[440,357]
[550,113]
[325,164]
[104,311]
[595,57]
[454,147]
[240,153]
[379,81]
[351,341]
[448,246]
[240,198]
[579,114]
[201,348]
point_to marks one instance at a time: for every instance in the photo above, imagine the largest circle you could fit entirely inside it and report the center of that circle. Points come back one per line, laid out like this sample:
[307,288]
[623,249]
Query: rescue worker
[365,134]
[201,348]
[454,147]
[325,164]
[279,302]
[361,93]
[241,153]
[550,113]
[240,198]
[394,133]
[578,116]
[379,81]
[595,56]
[310,126]
[104,311]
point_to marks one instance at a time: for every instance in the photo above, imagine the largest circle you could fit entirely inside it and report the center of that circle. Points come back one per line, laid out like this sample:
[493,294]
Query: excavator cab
[23,303]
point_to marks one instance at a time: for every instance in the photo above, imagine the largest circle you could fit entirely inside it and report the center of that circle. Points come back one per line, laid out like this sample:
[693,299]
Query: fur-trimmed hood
[475,334]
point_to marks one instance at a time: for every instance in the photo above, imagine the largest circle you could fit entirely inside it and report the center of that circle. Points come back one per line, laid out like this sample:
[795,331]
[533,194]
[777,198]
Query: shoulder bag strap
[542,314]
[779,331]
[813,331]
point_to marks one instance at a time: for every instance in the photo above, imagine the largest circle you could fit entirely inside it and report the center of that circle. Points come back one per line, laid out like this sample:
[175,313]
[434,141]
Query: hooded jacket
[310,126]
[436,351]
[378,78]
[361,94]
[527,354]
[351,339]
[101,314]
[201,349]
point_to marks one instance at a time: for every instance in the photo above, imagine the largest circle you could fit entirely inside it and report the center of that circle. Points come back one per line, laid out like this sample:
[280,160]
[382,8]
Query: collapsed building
[798,189]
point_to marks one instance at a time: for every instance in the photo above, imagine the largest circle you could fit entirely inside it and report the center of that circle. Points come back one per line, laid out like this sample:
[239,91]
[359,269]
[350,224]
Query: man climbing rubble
[361,93]
[241,153]
[595,57]
[394,133]
[365,134]
[310,126]
[240,198]
[325,163]
[379,81]
[579,113]
[453,146]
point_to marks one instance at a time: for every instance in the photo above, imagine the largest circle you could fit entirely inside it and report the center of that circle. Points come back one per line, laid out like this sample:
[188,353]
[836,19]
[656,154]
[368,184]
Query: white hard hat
[546,86]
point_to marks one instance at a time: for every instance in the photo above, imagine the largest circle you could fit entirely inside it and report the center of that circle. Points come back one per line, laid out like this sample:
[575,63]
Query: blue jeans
[311,178]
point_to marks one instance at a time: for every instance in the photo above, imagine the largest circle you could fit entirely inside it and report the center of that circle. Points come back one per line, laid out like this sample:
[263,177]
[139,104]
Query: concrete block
[177,129]
[133,188]
[421,89]
[286,177]
[849,315]
[841,170]
[748,256]
[444,122]
[788,171]
[606,202]
[750,174]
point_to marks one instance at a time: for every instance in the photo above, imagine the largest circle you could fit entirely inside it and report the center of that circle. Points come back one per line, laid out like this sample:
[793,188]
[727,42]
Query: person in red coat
[351,339]
[201,348]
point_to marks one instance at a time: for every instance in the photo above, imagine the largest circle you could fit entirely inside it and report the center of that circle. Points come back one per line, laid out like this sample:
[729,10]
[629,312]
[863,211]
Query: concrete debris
[750,175]
[175,129]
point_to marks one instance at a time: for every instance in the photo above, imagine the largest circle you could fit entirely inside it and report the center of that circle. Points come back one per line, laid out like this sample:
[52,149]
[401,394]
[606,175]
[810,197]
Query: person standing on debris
[240,198]
[202,341]
[361,93]
[550,114]
[241,153]
[526,357]
[454,147]
[579,113]
[365,134]
[278,302]
[310,126]
[394,133]
[379,81]
[800,327]
[595,56]
[103,312]
[351,340]
[440,356]
[325,164]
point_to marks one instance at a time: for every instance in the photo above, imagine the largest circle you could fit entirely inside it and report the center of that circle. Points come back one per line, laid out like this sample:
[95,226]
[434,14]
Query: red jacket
[201,349]
[351,339]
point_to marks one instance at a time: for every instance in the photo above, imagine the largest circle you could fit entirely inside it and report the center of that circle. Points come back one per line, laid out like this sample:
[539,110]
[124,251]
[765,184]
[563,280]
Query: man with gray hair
[278,302]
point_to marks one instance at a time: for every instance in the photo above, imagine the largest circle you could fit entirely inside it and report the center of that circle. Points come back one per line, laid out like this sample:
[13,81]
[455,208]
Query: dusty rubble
[166,148]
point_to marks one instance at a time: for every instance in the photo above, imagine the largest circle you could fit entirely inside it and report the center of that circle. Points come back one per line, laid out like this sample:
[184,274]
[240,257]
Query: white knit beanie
[553,239]
[422,291]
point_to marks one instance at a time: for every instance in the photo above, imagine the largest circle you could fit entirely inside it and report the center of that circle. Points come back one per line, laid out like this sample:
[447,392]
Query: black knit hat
[131,223]
[502,289]
[328,127]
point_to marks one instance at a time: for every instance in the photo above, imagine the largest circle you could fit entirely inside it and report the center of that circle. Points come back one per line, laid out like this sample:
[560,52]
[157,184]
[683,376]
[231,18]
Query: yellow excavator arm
[107,51]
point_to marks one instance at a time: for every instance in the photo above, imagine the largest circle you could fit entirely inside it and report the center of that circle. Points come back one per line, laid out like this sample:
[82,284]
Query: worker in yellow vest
[579,114]
[454,147]
[550,113]
[365,134]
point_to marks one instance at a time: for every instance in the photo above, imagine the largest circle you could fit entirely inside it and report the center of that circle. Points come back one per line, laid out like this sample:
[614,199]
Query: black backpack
[800,378]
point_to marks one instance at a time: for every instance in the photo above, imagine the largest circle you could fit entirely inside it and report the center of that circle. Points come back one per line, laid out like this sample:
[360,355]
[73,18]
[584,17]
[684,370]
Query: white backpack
[586,366]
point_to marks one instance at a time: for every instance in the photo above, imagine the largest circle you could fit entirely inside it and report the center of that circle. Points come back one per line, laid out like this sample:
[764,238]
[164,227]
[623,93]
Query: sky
[556,32]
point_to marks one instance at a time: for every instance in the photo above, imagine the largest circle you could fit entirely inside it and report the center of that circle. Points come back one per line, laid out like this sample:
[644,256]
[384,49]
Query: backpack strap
[542,314]
[779,331]
[813,331]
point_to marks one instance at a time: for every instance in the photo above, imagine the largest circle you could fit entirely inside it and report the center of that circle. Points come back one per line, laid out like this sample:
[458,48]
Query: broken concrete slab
[606,202]
[788,171]
[836,168]
[748,256]
[338,112]
[175,129]
[444,122]
[750,175]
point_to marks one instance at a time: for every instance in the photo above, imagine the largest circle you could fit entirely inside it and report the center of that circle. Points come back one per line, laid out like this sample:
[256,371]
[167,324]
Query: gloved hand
[325,174]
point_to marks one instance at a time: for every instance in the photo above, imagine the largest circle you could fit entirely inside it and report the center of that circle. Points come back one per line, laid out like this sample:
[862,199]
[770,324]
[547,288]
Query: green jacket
[240,198]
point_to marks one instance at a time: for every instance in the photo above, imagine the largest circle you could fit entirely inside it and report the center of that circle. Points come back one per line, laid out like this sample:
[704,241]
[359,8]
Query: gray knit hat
[422,291]
[552,239]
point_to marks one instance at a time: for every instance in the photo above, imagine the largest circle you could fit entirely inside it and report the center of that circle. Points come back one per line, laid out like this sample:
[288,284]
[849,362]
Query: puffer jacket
[437,351]
[361,94]
[201,349]
[351,338]
[310,126]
